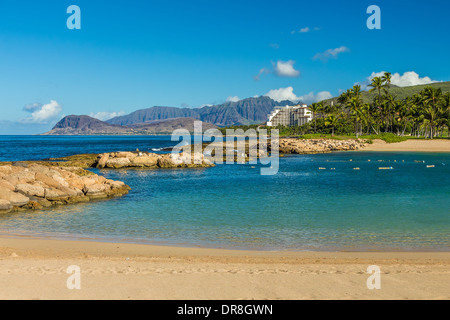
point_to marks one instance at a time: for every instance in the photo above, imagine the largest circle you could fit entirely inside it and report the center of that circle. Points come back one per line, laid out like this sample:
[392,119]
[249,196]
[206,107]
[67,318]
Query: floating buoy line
[382,168]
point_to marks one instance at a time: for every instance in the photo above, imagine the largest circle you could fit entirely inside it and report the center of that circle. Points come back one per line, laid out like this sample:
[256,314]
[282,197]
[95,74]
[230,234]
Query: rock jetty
[298,146]
[36,186]
[136,159]
[118,160]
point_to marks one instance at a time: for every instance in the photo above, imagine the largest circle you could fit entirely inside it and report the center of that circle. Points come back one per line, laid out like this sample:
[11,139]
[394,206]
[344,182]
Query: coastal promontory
[36,186]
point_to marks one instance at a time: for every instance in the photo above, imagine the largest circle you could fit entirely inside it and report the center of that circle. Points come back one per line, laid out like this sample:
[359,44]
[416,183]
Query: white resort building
[290,116]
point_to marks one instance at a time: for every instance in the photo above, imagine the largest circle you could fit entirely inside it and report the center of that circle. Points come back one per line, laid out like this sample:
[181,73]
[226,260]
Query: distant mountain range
[166,119]
[243,112]
[168,126]
[85,125]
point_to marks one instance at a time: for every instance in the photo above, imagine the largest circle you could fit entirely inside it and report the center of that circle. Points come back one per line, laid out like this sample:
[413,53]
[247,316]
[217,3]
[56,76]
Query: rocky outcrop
[112,160]
[298,146]
[118,160]
[35,186]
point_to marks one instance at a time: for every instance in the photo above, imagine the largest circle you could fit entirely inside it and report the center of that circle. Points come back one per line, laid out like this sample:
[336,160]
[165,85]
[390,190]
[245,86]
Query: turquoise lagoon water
[233,206]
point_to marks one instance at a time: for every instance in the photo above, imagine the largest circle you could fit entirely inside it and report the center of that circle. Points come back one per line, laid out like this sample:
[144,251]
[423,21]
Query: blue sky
[131,55]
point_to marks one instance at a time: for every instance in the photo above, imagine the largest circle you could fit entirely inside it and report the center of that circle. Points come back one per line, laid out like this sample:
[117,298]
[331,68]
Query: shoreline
[188,246]
[37,269]
[34,246]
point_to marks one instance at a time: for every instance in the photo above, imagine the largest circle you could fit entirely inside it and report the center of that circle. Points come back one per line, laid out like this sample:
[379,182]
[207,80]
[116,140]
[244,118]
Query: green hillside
[401,92]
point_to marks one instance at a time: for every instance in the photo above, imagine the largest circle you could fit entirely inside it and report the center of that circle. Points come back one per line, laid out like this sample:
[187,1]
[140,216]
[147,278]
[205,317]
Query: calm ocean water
[233,206]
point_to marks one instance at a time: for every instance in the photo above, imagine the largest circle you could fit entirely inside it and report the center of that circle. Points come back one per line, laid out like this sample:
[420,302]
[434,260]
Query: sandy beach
[410,146]
[37,269]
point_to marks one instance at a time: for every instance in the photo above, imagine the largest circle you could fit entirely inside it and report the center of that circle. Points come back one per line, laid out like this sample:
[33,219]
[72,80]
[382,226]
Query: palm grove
[425,114]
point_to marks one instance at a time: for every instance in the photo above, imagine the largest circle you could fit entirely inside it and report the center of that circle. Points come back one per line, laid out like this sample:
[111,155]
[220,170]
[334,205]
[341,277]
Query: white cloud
[330,54]
[31,107]
[282,94]
[233,99]
[305,30]
[106,115]
[42,113]
[280,69]
[288,94]
[286,69]
[408,79]
[312,97]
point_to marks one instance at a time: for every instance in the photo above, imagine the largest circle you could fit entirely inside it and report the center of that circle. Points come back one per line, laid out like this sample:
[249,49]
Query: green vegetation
[392,118]
[388,137]
[424,114]
[399,92]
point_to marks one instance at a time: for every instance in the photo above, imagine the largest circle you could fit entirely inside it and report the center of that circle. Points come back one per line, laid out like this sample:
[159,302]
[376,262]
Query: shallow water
[233,206]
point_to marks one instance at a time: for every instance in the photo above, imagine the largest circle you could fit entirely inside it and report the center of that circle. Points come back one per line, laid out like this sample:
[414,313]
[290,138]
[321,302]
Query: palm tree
[374,117]
[354,103]
[432,97]
[332,121]
[315,108]
[321,108]
[377,85]
[356,91]
[344,97]
[386,78]
[424,114]
[366,116]
[329,109]
[416,113]
[389,110]
[446,106]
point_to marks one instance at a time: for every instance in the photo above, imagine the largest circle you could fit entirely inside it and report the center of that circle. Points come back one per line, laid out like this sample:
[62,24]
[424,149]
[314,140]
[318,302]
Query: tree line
[426,114]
